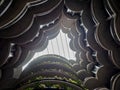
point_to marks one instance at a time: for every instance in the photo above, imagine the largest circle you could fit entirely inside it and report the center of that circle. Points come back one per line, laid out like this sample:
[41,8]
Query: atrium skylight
[57,46]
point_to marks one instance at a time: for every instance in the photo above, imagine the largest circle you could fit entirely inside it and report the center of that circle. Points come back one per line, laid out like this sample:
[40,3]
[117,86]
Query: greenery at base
[39,85]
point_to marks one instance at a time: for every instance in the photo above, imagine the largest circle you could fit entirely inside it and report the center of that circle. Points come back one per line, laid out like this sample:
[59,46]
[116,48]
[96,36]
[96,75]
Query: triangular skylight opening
[57,46]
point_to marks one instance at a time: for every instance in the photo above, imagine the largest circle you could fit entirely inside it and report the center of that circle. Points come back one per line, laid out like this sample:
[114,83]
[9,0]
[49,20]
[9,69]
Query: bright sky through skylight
[58,46]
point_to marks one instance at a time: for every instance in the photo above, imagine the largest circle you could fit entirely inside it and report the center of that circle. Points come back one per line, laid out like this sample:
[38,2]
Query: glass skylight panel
[57,46]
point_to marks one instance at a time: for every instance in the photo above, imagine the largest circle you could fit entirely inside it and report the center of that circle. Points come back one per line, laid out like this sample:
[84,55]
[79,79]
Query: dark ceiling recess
[94,26]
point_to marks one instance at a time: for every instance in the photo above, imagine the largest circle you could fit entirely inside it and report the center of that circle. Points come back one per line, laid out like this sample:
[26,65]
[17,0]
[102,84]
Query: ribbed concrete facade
[93,27]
